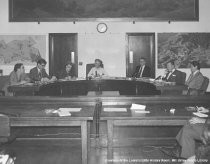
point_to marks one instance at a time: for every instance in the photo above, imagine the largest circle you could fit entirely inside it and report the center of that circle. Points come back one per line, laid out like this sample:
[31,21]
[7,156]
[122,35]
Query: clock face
[102,27]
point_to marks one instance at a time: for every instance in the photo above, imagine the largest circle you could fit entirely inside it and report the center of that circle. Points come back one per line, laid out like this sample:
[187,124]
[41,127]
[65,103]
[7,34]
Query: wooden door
[140,45]
[63,48]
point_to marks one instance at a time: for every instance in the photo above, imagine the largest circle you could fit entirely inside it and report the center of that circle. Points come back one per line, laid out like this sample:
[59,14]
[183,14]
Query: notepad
[138,107]
[200,114]
[115,110]
[70,109]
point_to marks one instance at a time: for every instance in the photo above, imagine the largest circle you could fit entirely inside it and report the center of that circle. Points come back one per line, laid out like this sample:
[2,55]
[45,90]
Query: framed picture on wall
[103,10]
[26,49]
[183,48]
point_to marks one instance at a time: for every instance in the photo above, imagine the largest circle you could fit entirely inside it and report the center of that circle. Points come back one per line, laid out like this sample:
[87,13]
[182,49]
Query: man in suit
[38,73]
[195,80]
[142,70]
[172,74]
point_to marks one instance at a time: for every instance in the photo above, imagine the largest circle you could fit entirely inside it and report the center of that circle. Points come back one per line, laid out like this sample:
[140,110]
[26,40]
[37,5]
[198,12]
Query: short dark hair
[69,63]
[142,58]
[196,64]
[41,61]
[171,61]
[99,60]
[17,66]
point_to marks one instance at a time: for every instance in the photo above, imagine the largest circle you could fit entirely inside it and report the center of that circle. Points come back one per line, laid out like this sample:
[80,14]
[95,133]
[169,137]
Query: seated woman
[18,76]
[68,73]
[97,71]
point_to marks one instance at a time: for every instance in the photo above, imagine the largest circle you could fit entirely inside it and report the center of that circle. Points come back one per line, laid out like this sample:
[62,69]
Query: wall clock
[102,27]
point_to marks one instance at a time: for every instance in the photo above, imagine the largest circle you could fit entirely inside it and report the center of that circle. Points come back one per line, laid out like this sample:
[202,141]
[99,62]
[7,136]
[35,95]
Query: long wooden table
[159,116]
[34,115]
[29,112]
[124,86]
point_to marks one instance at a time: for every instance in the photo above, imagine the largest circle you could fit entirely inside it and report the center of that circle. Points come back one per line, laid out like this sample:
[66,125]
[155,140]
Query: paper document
[141,111]
[70,109]
[115,109]
[138,106]
[200,114]
[60,113]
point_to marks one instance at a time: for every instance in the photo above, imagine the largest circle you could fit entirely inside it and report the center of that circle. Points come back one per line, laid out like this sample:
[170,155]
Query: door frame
[152,54]
[51,51]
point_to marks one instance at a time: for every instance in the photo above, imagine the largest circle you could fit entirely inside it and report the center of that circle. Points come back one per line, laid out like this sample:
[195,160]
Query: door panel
[62,47]
[140,45]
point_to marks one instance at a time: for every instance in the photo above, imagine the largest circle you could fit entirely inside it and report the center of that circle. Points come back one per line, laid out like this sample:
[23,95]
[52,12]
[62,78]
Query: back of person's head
[41,61]
[196,64]
[17,66]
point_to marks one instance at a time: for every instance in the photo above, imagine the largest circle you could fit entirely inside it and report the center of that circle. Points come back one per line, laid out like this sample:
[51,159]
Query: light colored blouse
[97,72]
[13,78]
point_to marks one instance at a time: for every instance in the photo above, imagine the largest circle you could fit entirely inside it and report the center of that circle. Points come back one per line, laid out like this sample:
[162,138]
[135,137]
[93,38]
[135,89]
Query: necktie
[139,73]
[40,75]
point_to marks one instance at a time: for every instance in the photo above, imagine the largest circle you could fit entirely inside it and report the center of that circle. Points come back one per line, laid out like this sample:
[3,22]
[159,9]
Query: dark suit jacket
[64,74]
[146,72]
[194,83]
[34,75]
[176,76]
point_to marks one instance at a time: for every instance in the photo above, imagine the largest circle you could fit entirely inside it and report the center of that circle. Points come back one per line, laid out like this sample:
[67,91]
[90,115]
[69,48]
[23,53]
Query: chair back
[89,67]
[183,78]
[204,86]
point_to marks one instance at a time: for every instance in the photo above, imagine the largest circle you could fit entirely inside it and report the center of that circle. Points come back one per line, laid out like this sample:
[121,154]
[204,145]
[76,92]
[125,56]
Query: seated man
[192,131]
[97,71]
[195,80]
[172,74]
[142,70]
[38,73]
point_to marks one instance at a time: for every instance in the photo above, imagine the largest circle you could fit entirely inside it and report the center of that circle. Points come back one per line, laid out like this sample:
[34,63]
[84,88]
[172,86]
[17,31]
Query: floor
[56,151]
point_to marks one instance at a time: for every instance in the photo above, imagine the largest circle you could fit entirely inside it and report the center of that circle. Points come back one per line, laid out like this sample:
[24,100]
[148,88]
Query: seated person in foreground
[202,154]
[142,70]
[195,80]
[172,74]
[97,71]
[68,73]
[38,73]
[193,130]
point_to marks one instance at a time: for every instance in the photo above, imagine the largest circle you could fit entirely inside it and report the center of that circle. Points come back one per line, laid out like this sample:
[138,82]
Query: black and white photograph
[104,82]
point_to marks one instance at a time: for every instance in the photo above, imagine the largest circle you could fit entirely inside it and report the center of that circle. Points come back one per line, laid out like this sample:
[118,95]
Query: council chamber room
[104,82]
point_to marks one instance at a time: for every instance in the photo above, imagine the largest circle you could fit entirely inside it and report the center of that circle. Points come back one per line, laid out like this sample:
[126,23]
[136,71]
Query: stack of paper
[66,111]
[138,107]
[70,109]
[115,110]
[200,114]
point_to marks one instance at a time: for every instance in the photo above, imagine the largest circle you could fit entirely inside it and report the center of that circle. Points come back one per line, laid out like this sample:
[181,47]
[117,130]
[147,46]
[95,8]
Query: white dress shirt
[99,71]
